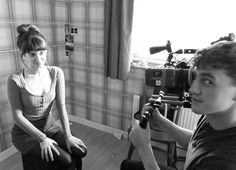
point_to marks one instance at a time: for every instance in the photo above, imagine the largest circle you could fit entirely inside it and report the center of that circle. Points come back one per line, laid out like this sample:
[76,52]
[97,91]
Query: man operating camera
[212,144]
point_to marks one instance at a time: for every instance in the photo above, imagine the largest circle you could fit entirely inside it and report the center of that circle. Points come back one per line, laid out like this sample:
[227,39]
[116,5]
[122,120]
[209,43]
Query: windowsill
[136,65]
[139,63]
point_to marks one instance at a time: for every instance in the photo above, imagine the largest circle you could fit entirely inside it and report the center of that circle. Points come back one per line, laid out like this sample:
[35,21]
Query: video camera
[174,78]
[171,83]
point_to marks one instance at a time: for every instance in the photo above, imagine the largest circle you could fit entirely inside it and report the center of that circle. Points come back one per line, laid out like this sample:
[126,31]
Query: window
[186,24]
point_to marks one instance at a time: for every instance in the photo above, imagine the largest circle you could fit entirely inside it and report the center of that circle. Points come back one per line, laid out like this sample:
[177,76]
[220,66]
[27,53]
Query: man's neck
[223,120]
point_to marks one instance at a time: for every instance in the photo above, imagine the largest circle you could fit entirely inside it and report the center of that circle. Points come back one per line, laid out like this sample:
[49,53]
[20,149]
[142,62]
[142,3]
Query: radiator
[187,119]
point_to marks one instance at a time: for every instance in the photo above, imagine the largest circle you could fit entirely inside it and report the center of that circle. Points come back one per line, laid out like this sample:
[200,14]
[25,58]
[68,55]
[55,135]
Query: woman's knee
[76,152]
[64,158]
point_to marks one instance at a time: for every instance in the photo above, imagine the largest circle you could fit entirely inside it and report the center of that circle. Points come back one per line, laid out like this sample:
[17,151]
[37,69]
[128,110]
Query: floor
[105,152]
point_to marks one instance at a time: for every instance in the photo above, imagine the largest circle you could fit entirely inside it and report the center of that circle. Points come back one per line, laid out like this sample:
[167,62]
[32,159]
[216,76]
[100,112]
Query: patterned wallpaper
[89,94]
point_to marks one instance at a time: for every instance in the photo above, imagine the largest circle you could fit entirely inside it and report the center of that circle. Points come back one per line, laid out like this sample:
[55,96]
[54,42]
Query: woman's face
[35,59]
[212,91]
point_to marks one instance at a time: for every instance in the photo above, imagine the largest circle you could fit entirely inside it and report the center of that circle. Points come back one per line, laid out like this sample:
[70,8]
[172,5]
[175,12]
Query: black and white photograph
[117,85]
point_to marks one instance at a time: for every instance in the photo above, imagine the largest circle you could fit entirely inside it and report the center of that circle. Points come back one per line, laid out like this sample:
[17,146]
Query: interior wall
[89,94]
[94,97]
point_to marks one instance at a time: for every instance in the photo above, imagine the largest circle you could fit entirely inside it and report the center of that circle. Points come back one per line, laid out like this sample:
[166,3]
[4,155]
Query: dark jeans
[138,165]
[64,161]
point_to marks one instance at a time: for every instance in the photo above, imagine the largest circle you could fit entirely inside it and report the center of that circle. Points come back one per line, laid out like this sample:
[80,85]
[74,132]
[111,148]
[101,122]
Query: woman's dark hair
[219,56]
[30,39]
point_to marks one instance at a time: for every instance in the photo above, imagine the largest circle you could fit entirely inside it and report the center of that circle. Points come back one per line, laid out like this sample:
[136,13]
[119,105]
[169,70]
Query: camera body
[172,84]
[170,80]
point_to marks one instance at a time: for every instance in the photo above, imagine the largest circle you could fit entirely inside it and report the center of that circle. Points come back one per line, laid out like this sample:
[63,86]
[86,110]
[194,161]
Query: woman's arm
[16,108]
[60,101]
[46,144]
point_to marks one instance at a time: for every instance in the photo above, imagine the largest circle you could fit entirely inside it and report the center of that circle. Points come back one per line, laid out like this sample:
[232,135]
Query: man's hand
[46,149]
[156,115]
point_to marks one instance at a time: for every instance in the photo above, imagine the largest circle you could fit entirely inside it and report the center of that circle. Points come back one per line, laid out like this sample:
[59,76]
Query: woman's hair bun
[27,34]
[25,28]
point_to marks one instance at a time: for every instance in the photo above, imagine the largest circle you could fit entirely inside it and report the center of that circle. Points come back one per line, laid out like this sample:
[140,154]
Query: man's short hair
[218,56]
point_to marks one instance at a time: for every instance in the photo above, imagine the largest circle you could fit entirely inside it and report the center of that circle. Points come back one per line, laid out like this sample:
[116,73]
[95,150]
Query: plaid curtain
[117,38]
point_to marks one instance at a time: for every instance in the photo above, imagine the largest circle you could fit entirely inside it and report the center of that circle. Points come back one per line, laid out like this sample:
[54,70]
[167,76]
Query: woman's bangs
[36,44]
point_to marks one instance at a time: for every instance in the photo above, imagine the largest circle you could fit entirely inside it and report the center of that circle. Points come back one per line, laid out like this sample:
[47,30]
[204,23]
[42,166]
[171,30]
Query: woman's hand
[46,149]
[76,142]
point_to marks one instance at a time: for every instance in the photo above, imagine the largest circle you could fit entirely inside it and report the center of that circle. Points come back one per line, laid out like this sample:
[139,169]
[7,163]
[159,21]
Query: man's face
[212,91]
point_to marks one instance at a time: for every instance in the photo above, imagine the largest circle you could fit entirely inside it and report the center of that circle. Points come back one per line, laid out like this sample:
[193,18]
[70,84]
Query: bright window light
[187,24]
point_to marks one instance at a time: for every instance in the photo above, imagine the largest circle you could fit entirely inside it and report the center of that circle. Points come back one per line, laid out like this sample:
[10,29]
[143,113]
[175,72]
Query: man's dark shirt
[211,149]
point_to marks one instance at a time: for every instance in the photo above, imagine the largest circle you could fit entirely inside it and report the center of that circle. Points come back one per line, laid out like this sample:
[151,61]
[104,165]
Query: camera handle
[155,103]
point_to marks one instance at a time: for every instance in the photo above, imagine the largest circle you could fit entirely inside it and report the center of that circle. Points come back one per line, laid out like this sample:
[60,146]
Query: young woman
[32,92]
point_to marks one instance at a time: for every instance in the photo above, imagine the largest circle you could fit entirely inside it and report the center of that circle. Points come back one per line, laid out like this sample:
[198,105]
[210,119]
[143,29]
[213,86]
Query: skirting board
[7,153]
[116,132]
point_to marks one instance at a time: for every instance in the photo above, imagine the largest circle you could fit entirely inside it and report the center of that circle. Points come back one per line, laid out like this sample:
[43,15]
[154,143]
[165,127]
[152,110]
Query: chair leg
[130,152]
[171,154]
